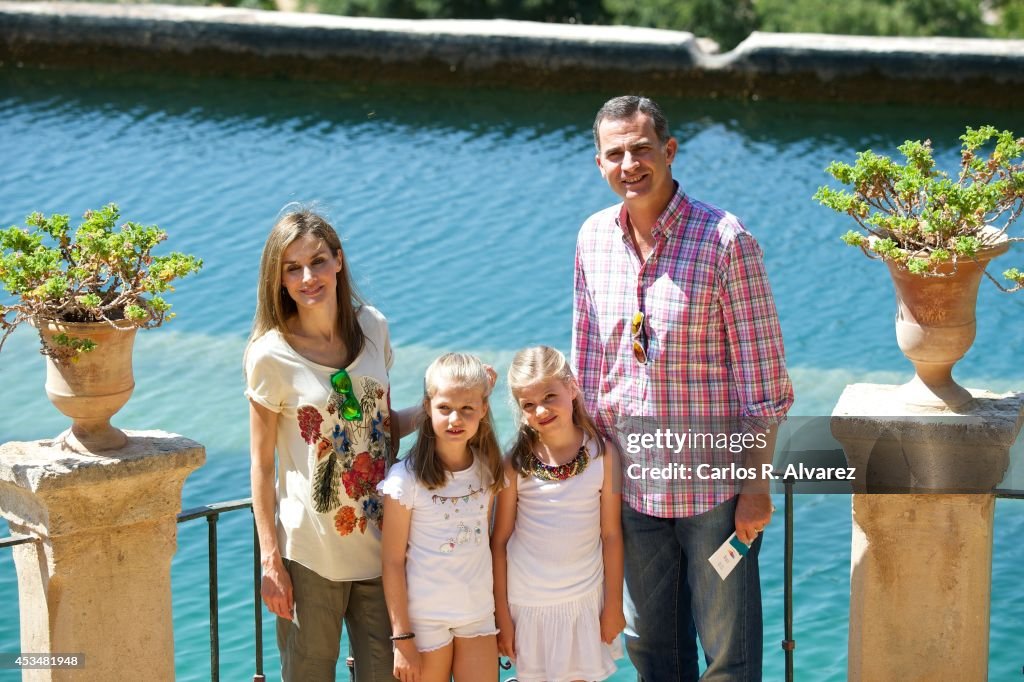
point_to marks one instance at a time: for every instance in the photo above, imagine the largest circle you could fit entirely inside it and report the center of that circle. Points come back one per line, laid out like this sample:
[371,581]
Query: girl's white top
[448,561]
[328,467]
[555,552]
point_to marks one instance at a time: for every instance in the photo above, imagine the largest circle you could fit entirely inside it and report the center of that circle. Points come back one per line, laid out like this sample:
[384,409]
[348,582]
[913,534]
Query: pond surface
[459,211]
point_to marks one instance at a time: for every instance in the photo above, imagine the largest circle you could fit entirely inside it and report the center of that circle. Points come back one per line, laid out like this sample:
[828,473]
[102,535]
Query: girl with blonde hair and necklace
[557,540]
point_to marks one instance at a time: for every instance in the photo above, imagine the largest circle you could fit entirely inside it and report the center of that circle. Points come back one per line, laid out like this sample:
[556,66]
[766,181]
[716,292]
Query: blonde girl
[316,369]
[437,506]
[557,540]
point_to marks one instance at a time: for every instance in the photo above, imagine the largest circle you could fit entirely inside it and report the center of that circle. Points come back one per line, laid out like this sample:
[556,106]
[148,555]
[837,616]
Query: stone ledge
[896,447]
[51,492]
[462,44]
[503,53]
[43,465]
[994,418]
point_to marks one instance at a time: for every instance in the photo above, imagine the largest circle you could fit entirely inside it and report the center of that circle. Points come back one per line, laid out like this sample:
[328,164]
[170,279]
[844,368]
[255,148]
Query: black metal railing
[788,644]
[212,512]
[13,540]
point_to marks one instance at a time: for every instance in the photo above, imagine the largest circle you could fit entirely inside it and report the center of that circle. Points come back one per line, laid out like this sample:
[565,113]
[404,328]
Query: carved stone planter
[935,326]
[90,387]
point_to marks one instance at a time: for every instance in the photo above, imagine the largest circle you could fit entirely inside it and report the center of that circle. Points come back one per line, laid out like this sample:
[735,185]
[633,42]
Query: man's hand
[753,513]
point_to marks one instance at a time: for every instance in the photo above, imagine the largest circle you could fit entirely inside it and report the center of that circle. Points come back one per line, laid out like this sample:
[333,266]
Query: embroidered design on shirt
[462,537]
[456,499]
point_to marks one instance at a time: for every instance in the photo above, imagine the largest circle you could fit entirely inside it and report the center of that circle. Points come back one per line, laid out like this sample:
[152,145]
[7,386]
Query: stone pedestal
[98,581]
[921,560]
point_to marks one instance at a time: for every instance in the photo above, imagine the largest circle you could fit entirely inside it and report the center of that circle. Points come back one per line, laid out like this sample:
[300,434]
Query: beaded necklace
[571,468]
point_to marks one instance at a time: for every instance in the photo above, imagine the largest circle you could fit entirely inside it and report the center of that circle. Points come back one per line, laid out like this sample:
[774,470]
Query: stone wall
[515,54]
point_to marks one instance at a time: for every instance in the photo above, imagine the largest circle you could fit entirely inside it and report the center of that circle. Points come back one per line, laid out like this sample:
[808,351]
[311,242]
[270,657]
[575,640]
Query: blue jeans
[674,594]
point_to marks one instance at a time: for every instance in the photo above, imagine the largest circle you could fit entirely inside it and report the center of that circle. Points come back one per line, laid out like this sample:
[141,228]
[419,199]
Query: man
[673,321]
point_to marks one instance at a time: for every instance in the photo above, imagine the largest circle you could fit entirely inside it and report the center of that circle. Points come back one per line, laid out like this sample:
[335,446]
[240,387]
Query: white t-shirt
[328,468]
[448,561]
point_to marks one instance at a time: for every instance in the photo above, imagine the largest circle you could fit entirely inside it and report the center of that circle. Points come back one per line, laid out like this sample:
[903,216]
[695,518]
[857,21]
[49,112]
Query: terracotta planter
[935,326]
[92,388]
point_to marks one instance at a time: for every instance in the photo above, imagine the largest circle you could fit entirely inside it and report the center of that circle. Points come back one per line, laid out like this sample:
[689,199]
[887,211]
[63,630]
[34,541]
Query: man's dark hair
[626,107]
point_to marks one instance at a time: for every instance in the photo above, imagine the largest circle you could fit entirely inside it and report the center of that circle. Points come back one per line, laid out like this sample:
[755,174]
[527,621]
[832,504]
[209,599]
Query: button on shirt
[714,344]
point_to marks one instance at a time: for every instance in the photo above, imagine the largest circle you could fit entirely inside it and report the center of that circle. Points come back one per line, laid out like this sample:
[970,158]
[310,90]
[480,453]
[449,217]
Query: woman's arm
[504,524]
[394,542]
[276,586]
[407,419]
[612,618]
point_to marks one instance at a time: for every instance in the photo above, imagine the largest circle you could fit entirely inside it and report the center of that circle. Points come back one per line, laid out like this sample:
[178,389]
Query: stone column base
[920,588]
[98,581]
[921,559]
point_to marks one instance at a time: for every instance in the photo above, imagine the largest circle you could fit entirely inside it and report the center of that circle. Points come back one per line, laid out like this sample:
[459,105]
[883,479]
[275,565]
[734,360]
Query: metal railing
[16,540]
[212,512]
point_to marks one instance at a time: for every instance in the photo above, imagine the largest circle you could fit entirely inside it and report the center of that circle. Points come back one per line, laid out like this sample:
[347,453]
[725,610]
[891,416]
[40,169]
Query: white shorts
[434,634]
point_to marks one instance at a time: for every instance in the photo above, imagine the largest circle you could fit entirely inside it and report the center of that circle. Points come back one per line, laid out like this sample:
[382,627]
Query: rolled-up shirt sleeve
[755,346]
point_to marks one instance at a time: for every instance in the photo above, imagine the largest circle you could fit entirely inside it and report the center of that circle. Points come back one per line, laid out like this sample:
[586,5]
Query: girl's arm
[394,542]
[612,618]
[276,586]
[504,524]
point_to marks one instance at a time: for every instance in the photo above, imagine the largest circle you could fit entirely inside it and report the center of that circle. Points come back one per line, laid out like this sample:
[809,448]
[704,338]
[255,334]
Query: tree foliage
[873,17]
[727,21]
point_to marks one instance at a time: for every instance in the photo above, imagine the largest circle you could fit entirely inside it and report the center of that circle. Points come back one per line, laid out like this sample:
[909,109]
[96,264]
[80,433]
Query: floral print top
[328,507]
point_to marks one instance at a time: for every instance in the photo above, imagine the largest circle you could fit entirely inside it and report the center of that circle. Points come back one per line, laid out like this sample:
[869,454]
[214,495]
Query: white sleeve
[400,484]
[263,382]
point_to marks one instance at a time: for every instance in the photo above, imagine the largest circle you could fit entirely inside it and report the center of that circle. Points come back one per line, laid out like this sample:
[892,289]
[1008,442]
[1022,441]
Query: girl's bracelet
[404,635]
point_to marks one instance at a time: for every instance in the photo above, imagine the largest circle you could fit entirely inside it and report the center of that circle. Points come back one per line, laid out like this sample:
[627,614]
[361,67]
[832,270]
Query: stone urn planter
[935,326]
[87,291]
[937,232]
[90,387]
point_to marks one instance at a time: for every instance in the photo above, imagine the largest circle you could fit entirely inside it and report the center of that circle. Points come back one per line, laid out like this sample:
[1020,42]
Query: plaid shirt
[714,342]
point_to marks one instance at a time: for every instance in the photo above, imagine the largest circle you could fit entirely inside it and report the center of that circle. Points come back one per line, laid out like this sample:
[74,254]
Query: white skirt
[562,642]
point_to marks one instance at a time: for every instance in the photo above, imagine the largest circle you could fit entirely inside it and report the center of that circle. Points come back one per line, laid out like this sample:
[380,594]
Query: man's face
[634,162]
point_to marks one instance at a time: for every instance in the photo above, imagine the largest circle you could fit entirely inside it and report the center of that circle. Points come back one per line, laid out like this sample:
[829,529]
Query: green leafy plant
[920,218]
[98,273]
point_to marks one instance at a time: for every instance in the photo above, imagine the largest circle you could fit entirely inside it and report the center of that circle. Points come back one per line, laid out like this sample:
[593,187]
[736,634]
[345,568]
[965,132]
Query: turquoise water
[459,212]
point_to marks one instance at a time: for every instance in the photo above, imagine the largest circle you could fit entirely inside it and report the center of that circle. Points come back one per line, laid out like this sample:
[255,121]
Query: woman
[317,380]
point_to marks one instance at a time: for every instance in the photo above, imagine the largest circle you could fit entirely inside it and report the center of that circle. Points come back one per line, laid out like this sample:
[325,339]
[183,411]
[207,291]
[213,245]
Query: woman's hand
[407,661]
[506,636]
[612,623]
[492,375]
[276,588]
